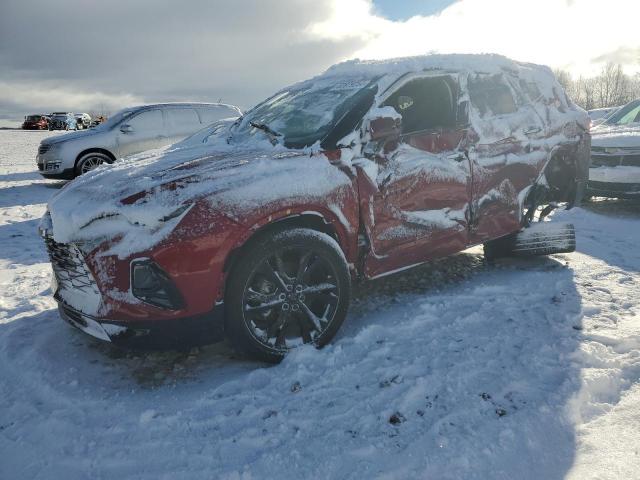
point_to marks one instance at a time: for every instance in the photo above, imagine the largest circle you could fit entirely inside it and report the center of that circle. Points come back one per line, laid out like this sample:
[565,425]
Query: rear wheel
[291,288]
[91,161]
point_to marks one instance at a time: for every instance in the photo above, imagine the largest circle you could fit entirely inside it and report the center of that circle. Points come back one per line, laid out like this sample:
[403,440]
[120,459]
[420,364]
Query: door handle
[532,130]
[457,157]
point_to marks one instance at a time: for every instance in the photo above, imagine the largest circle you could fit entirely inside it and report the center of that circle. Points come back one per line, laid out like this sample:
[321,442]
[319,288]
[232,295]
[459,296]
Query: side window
[182,120]
[425,104]
[631,117]
[145,122]
[213,114]
[491,95]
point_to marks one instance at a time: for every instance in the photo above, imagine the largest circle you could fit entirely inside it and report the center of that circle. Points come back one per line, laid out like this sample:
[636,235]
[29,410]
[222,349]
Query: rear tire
[291,286]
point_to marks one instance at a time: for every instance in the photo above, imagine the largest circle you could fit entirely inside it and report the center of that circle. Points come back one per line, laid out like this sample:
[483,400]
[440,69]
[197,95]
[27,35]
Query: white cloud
[566,34]
[51,98]
[244,50]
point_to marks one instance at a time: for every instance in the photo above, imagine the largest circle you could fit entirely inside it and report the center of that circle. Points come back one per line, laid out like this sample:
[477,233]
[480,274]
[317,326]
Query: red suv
[255,228]
[35,122]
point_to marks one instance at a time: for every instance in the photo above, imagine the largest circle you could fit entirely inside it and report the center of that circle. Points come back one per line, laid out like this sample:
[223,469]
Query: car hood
[65,137]
[142,198]
[622,136]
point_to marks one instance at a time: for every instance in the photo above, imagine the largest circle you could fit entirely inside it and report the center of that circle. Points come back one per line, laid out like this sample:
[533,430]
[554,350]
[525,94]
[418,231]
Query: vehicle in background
[599,115]
[62,121]
[35,122]
[83,120]
[97,121]
[615,155]
[254,229]
[130,131]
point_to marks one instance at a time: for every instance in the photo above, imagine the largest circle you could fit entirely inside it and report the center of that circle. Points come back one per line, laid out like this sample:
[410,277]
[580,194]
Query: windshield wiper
[273,135]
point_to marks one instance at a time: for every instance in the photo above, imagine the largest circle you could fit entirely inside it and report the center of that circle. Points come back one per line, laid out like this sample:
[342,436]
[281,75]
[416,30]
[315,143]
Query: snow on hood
[142,199]
[624,136]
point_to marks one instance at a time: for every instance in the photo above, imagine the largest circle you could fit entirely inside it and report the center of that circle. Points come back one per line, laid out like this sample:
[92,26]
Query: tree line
[610,88]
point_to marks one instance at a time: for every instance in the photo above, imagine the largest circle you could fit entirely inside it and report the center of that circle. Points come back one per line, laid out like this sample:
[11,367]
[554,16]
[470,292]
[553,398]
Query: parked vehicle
[35,122]
[62,121]
[97,121]
[255,229]
[599,115]
[129,131]
[83,120]
[615,155]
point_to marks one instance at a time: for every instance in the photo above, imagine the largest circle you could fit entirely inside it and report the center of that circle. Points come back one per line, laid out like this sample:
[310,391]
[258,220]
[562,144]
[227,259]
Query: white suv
[83,120]
[129,131]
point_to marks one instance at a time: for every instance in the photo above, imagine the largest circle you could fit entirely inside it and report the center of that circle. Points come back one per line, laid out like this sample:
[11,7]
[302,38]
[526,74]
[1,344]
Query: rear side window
[149,121]
[211,115]
[491,95]
[179,119]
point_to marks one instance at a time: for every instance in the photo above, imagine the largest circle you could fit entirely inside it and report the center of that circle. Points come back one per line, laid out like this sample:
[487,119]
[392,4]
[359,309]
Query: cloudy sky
[82,56]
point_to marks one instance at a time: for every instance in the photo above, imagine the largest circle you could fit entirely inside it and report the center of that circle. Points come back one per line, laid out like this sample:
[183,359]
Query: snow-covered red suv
[255,229]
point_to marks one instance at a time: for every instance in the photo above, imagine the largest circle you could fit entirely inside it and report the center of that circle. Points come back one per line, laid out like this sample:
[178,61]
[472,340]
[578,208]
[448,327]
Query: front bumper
[621,181]
[66,174]
[187,331]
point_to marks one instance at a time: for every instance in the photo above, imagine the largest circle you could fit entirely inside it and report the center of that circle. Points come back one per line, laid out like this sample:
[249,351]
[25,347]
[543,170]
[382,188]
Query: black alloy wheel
[293,288]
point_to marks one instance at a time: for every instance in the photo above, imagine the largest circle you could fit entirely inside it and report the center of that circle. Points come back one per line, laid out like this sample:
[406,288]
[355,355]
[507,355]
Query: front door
[416,206]
[141,132]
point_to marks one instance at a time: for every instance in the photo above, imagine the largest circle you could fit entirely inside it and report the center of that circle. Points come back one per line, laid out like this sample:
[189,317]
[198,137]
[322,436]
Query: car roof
[183,105]
[480,63]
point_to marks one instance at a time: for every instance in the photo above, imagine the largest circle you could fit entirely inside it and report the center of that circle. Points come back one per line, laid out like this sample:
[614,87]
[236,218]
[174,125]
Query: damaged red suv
[255,229]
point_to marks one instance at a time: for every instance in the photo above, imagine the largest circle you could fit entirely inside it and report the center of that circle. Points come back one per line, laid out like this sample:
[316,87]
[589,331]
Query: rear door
[418,206]
[143,131]
[181,122]
[508,154]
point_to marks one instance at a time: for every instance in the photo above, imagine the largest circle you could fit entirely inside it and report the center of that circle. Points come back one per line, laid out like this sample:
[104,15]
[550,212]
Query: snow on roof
[486,63]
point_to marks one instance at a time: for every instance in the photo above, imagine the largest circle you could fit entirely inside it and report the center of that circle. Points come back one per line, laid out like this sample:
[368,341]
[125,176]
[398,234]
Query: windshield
[309,112]
[59,117]
[630,113]
[116,118]
[33,118]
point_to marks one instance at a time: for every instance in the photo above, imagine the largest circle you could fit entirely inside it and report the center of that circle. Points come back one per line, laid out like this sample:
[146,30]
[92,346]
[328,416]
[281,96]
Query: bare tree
[611,88]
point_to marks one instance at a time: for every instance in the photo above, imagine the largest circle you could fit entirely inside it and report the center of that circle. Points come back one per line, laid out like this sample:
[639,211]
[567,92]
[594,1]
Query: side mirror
[384,128]
[126,128]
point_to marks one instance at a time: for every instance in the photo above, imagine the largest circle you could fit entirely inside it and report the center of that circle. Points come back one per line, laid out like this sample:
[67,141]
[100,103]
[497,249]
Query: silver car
[129,131]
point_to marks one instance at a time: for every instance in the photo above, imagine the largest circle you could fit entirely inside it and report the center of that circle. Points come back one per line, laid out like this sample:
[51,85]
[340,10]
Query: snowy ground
[528,369]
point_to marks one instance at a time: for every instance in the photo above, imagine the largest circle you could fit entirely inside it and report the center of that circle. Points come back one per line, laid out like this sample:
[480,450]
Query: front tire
[90,161]
[291,287]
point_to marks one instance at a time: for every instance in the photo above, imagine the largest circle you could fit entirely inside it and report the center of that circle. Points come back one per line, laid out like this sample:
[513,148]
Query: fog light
[152,285]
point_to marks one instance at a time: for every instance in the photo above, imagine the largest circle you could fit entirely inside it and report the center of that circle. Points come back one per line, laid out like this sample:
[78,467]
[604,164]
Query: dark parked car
[62,121]
[35,122]
[255,229]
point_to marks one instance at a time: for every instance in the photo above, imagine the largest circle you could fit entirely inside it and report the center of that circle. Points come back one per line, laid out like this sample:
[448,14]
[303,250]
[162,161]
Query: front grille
[44,148]
[614,187]
[70,269]
[605,160]
[604,157]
